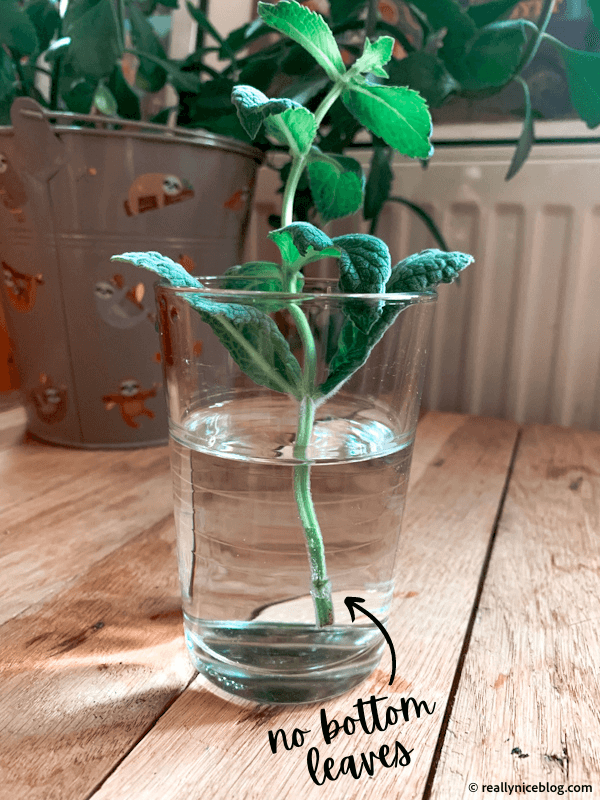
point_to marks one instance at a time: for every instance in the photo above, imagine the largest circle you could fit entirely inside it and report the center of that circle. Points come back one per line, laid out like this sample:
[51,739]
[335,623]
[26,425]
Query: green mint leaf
[337,184]
[164,266]
[260,276]
[374,56]
[397,115]
[423,271]
[254,342]
[296,128]
[365,266]
[354,348]
[253,107]
[419,272]
[309,30]
[249,334]
[301,243]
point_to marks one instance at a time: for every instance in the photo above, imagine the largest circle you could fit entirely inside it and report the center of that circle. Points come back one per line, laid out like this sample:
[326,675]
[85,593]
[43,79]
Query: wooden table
[495,625]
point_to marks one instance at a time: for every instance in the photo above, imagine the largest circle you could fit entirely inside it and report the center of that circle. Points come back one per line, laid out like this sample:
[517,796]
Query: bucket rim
[147,131]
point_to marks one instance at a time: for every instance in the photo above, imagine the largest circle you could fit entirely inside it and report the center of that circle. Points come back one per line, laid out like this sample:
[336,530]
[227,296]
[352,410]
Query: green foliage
[583,71]
[491,11]
[46,21]
[96,24]
[374,57]
[401,118]
[397,115]
[301,243]
[494,56]
[427,72]
[379,183]
[527,136]
[259,276]
[336,183]
[594,6]
[464,51]
[343,10]
[254,342]
[354,348]
[164,266]
[296,128]
[249,334]
[286,121]
[128,103]
[254,107]
[309,30]
[17,31]
[105,101]
[150,76]
[365,266]
[423,271]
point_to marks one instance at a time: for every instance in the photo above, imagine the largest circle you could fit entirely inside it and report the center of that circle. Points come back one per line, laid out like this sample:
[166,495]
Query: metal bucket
[84,327]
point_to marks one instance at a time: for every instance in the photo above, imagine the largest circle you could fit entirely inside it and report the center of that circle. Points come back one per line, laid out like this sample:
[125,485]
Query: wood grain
[527,707]
[75,508]
[83,678]
[209,746]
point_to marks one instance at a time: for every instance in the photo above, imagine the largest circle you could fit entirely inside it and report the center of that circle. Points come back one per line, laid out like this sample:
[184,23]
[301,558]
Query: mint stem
[320,583]
[299,161]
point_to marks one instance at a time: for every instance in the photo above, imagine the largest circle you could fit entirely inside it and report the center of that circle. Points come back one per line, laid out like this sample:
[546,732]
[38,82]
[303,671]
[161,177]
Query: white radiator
[519,337]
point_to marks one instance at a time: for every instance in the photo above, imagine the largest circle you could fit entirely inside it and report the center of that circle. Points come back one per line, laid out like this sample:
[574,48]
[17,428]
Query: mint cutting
[401,118]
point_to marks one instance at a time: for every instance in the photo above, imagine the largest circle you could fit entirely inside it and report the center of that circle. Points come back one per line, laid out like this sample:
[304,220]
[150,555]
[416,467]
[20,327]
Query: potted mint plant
[74,181]
[293,422]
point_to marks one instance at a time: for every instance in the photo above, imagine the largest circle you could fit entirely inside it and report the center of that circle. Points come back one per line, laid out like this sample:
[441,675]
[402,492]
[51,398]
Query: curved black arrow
[352,603]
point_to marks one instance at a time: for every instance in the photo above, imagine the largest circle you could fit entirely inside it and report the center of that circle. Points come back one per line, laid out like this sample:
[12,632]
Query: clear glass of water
[244,565]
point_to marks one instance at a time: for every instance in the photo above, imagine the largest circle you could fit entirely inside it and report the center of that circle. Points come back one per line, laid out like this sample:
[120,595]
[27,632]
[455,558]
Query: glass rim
[428,296]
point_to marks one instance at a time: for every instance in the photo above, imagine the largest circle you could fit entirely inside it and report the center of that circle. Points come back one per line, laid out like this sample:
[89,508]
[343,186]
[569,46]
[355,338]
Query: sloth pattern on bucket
[156,190]
[48,400]
[238,200]
[120,305]
[131,401]
[20,287]
[12,190]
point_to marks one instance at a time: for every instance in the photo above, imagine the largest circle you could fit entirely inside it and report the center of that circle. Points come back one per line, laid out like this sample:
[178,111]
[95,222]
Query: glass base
[271,662]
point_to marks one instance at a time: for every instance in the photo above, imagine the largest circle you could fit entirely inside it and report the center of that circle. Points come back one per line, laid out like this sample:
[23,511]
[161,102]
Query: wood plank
[82,679]
[92,504]
[530,678]
[31,468]
[209,746]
